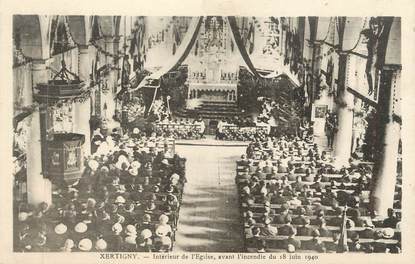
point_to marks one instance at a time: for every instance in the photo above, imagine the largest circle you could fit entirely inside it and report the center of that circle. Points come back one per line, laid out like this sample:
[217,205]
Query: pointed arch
[80,28]
[107,25]
[31,33]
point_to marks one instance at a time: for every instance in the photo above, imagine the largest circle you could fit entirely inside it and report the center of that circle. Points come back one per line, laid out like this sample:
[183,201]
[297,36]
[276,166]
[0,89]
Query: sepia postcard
[207,131]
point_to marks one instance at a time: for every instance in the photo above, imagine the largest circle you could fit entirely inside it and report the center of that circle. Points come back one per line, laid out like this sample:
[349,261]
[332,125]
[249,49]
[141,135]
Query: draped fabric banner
[236,37]
[181,53]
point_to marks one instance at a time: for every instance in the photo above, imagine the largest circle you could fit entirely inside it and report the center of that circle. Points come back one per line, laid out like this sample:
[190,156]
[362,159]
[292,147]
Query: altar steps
[212,110]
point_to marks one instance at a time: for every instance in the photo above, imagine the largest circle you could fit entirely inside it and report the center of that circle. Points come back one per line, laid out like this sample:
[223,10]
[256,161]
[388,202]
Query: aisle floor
[209,215]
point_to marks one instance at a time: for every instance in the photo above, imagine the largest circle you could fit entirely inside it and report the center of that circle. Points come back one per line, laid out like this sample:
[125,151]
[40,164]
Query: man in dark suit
[324,231]
[298,184]
[301,211]
[268,229]
[278,198]
[260,174]
[287,227]
[315,243]
[391,220]
[304,229]
[291,240]
[280,218]
[337,220]
[331,246]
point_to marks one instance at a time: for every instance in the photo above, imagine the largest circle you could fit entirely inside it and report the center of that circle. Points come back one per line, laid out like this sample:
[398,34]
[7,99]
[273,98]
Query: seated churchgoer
[337,220]
[304,229]
[294,201]
[100,210]
[331,246]
[298,185]
[262,246]
[315,243]
[355,245]
[322,228]
[268,229]
[391,220]
[144,241]
[283,214]
[285,230]
[292,240]
[301,212]
[327,188]
[163,244]
[278,198]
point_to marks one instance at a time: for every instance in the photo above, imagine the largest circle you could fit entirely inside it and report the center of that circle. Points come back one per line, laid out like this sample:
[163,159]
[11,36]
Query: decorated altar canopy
[258,41]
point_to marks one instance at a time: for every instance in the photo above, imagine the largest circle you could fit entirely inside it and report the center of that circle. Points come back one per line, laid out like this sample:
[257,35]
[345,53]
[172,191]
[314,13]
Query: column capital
[392,67]
[83,48]
[343,53]
[109,39]
[116,39]
[316,43]
[38,65]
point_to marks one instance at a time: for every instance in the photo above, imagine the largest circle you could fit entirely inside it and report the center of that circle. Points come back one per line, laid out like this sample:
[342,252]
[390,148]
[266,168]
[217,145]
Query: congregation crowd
[231,129]
[292,199]
[128,199]
[181,129]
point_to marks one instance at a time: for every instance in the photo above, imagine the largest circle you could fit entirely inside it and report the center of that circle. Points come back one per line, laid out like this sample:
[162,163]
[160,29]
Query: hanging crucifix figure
[373,35]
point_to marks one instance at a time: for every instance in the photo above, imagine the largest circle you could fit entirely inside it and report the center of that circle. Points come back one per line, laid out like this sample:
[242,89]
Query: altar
[212,69]
[213,92]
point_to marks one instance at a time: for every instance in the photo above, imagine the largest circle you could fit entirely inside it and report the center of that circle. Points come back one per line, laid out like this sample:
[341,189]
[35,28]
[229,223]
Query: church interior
[207,134]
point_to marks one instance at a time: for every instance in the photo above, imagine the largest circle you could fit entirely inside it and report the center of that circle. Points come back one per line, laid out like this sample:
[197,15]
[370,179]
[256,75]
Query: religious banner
[60,118]
[22,78]
[137,47]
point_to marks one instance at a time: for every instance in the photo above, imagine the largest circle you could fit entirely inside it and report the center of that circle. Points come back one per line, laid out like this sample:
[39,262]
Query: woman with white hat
[130,240]
[100,245]
[68,245]
[85,245]
[115,240]
[80,232]
[144,241]
[163,228]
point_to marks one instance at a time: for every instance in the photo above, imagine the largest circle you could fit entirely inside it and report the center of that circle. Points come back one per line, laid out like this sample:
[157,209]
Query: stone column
[385,171]
[84,63]
[39,189]
[82,111]
[109,97]
[343,137]
[82,116]
[315,68]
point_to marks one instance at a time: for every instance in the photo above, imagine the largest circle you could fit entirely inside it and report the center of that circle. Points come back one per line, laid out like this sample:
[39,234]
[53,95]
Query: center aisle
[209,214]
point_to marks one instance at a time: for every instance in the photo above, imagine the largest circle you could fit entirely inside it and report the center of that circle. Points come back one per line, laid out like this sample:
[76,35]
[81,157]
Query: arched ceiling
[32,34]
[80,27]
